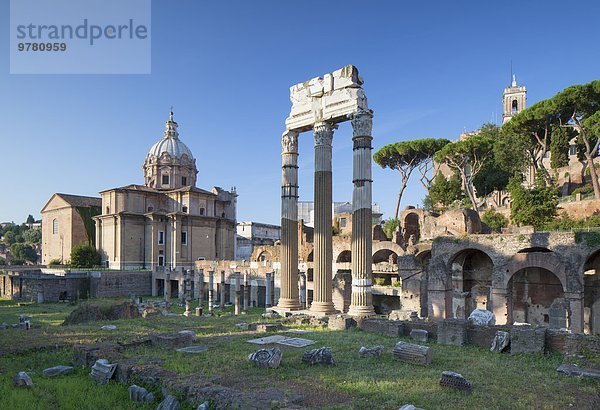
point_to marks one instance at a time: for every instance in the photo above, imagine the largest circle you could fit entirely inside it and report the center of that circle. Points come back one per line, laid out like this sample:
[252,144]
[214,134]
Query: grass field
[501,381]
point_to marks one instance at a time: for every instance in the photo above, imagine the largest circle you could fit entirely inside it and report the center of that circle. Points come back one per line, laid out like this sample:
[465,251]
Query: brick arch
[337,255]
[388,245]
[464,251]
[589,257]
[542,260]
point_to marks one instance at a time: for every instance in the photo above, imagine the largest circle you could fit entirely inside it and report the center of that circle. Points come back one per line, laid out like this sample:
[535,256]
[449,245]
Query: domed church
[167,223]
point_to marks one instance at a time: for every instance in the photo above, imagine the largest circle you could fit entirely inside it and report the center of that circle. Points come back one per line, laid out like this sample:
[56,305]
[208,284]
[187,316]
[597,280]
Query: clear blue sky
[430,70]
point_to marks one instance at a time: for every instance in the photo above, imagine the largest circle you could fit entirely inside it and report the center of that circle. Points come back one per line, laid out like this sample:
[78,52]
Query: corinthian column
[362,299]
[323,253]
[289,222]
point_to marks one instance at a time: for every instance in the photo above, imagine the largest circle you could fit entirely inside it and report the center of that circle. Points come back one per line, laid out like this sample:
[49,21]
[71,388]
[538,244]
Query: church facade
[167,223]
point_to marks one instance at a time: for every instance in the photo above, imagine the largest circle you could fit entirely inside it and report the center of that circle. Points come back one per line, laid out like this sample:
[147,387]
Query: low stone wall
[579,209]
[555,340]
[111,284]
[36,286]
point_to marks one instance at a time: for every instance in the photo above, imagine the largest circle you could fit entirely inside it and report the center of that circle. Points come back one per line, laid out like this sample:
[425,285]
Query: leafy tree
[532,129]
[443,192]
[32,235]
[579,105]
[534,206]
[84,255]
[495,220]
[9,237]
[559,147]
[467,157]
[30,220]
[490,178]
[389,227]
[2,262]
[406,156]
[24,252]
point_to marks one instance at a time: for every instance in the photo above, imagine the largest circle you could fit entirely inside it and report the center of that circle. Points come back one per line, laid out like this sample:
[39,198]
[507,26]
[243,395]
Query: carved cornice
[289,142]
[323,132]
[362,123]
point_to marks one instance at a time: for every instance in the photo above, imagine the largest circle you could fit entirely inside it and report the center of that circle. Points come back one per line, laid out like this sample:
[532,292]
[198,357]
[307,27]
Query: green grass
[500,380]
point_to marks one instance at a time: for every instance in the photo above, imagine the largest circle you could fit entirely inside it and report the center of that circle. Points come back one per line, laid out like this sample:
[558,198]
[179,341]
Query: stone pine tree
[405,157]
[580,106]
[530,131]
[467,157]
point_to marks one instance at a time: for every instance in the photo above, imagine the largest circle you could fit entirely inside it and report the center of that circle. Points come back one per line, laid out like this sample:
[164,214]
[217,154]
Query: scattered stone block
[501,342]
[527,339]
[4,326]
[87,355]
[242,326]
[419,335]
[267,340]
[203,406]
[109,327]
[138,394]
[452,332]
[411,353]
[296,342]
[22,379]
[24,318]
[383,326]
[370,351]
[482,317]
[403,315]
[409,407]
[173,340]
[574,370]
[268,327]
[341,322]
[102,371]
[57,371]
[169,403]
[150,311]
[270,315]
[323,355]
[455,380]
[192,349]
[266,358]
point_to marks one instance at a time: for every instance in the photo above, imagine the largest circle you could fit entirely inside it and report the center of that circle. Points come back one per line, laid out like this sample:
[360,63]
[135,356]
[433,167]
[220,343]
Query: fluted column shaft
[323,250]
[362,299]
[289,222]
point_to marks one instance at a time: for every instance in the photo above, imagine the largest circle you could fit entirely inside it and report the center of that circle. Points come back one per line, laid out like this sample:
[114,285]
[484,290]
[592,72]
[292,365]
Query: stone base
[361,311]
[322,308]
[452,332]
[289,304]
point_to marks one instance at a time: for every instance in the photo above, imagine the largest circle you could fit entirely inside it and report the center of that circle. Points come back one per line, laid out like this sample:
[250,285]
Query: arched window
[55,226]
[515,107]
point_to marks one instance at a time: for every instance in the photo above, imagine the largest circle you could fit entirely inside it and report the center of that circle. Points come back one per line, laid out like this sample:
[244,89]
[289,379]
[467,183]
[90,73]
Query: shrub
[84,256]
[495,220]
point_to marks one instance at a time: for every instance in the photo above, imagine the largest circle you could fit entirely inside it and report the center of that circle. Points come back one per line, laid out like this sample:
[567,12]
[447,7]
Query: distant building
[66,222]
[306,211]
[514,100]
[168,222]
[253,234]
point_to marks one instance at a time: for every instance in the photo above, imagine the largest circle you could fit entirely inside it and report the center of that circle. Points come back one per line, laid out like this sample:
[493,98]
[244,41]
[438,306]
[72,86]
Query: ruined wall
[111,284]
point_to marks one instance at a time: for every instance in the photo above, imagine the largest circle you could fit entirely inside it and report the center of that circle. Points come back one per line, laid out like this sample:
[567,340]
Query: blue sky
[431,69]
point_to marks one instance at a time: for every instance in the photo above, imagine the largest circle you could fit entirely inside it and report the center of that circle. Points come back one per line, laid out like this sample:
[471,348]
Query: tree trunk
[404,181]
[593,175]
[468,189]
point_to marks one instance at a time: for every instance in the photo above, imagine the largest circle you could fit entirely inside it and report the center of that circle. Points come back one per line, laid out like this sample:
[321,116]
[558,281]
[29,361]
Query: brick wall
[110,284]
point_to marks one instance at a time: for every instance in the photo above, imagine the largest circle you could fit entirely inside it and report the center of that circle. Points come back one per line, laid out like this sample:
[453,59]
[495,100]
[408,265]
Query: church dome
[170,163]
[170,143]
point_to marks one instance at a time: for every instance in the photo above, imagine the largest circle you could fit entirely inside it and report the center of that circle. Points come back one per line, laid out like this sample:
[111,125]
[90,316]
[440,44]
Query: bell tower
[514,99]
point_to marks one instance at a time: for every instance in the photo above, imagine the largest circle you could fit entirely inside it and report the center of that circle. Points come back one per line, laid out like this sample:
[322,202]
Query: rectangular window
[572,149]
[161,260]
[184,181]
[342,222]
[165,180]
[55,226]
[184,238]
[201,211]
[161,238]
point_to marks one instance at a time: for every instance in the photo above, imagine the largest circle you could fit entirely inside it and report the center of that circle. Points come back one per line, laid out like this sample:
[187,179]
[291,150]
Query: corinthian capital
[289,142]
[362,123]
[323,132]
